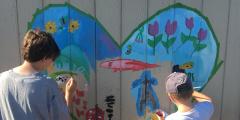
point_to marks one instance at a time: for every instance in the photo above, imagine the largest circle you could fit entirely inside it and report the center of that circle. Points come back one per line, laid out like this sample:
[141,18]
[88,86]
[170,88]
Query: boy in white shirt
[180,91]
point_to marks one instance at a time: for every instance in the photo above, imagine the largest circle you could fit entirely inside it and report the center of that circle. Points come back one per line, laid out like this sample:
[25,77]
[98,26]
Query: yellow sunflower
[73,25]
[51,27]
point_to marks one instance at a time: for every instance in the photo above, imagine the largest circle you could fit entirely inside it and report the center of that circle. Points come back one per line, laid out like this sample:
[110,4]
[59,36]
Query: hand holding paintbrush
[70,88]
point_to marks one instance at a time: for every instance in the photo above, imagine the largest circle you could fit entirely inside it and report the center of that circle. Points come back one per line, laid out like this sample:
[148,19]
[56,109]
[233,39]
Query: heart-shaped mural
[178,34]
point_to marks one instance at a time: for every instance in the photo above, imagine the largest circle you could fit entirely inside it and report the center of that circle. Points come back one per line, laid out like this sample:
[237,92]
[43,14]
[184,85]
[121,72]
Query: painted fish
[188,65]
[127,64]
[179,68]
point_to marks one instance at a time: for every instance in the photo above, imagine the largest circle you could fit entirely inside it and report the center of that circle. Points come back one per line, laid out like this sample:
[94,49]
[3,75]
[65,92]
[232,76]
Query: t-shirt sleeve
[208,106]
[57,106]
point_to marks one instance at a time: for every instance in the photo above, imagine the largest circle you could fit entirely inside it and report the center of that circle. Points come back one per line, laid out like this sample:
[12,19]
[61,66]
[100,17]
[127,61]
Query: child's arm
[69,92]
[201,97]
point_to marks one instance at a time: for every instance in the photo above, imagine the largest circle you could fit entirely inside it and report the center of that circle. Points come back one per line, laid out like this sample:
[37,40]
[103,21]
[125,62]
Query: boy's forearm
[68,98]
[201,97]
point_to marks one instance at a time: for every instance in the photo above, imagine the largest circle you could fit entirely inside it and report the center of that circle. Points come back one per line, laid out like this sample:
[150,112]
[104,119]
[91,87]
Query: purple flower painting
[202,34]
[153,29]
[170,29]
[189,23]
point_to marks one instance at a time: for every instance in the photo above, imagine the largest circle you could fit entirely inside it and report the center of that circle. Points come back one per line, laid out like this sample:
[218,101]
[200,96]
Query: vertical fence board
[217,13]
[156,5]
[133,13]
[25,16]
[193,71]
[231,94]
[108,14]
[86,6]
[194,4]
[9,47]
[47,2]
[178,45]
[165,69]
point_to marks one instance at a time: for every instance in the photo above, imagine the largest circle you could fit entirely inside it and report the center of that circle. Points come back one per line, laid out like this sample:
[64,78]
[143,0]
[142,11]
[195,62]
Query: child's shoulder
[171,116]
[6,73]
[49,81]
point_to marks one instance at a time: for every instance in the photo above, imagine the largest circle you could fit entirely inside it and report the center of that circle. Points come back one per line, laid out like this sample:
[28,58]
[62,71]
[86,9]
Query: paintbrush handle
[70,83]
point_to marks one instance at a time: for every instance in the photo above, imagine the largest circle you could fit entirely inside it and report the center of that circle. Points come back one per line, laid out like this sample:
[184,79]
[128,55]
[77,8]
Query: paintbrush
[70,83]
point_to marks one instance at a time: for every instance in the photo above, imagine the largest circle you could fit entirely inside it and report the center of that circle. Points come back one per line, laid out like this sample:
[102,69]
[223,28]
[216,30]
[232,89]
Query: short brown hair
[182,96]
[39,44]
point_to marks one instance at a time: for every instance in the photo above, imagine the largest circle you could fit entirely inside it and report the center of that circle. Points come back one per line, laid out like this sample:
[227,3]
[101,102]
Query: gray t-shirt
[31,97]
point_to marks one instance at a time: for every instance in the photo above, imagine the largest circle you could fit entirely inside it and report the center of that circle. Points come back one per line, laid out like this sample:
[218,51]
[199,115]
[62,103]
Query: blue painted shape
[38,23]
[138,88]
[139,50]
[84,37]
[78,59]
[105,48]
[54,14]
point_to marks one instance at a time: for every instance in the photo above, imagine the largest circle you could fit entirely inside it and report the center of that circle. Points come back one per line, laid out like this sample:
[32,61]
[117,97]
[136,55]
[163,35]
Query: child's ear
[43,60]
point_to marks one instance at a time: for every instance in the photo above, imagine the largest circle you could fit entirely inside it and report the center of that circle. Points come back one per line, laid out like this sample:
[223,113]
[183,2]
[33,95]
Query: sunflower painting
[51,27]
[73,25]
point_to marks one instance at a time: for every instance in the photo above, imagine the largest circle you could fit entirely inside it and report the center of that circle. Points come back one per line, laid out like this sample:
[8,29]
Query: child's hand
[73,85]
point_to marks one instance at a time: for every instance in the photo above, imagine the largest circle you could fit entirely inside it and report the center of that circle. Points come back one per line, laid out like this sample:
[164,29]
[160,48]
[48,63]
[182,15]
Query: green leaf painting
[194,44]
[200,47]
[168,43]
[184,38]
[157,40]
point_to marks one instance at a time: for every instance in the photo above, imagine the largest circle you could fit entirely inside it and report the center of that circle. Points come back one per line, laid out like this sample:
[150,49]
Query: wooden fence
[114,52]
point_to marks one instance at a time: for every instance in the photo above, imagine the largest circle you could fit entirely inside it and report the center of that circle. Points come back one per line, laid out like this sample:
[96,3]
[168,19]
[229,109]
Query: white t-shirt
[201,111]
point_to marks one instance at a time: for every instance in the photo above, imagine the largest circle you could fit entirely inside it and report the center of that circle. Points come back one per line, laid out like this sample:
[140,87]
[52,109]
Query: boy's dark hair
[39,44]
[182,96]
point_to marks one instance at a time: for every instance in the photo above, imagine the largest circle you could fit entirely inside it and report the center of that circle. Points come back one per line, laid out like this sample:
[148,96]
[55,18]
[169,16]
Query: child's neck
[27,68]
[185,106]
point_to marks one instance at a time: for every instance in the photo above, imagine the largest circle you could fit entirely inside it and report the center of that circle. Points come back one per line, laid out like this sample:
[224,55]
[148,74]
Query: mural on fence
[144,94]
[178,34]
[110,100]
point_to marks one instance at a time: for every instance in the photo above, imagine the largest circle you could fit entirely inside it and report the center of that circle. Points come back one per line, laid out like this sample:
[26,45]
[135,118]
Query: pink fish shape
[127,64]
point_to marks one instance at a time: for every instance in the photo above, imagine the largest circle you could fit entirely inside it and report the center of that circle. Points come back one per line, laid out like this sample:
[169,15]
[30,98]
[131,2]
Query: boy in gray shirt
[27,94]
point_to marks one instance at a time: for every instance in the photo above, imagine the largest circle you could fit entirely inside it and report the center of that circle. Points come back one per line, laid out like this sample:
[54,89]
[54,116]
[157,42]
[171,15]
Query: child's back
[28,97]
